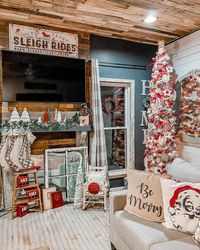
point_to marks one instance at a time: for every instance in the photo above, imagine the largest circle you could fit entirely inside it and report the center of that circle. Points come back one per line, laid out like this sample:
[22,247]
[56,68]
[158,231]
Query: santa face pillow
[181,203]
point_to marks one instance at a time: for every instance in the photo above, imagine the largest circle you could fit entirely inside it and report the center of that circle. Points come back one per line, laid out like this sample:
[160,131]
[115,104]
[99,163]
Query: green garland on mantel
[44,127]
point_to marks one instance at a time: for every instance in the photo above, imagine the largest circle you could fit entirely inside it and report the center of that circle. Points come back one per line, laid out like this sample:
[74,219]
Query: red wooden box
[22,180]
[22,210]
[32,193]
[56,199]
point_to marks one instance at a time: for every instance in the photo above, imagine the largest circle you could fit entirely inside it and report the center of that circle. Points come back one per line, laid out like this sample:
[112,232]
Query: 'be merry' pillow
[181,205]
[144,197]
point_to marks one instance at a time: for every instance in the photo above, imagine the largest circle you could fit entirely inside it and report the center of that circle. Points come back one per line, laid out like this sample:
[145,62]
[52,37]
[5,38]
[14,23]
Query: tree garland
[190,105]
[42,127]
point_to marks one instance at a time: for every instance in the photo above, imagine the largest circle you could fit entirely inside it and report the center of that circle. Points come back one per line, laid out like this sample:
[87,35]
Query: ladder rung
[28,186]
[22,201]
[25,171]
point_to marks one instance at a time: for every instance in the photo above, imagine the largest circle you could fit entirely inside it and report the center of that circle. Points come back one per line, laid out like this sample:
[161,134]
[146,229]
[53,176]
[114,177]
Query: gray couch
[129,232]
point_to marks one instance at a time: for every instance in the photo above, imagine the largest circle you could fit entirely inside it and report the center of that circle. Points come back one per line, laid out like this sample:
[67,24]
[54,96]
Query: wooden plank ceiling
[111,18]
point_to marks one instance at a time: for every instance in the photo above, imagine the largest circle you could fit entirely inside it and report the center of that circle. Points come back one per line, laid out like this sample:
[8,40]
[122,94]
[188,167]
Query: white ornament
[25,116]
[165,78]
[65,119]
[15,116]
[56,115]
[194,96]
[39,121]
[59,117]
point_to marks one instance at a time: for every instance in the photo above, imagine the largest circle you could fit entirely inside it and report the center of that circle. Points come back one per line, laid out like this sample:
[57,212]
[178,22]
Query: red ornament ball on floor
[93,188]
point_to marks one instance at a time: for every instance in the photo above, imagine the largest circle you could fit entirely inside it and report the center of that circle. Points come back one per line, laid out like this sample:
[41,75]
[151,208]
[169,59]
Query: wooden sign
[42,41]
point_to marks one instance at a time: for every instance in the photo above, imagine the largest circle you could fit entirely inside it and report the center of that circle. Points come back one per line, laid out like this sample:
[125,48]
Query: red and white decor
[160,144]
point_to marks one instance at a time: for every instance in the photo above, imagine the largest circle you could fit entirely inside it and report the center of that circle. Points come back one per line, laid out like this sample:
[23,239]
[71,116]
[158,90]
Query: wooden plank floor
[63,228]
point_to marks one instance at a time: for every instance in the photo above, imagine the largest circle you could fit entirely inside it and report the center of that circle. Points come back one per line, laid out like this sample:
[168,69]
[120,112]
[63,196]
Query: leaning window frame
[129,125]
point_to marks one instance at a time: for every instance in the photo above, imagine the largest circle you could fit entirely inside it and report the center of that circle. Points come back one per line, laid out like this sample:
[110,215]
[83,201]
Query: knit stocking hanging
[14,154]
[9,150]
[3,149]
[25,153]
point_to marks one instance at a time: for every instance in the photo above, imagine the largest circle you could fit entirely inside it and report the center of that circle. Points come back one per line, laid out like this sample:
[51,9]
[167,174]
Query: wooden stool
[17,200]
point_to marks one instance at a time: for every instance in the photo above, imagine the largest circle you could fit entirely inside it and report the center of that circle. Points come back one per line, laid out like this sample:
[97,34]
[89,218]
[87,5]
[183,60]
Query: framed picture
[61,168]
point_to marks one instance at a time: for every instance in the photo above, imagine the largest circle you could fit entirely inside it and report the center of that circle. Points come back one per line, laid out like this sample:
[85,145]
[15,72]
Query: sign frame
[42,41]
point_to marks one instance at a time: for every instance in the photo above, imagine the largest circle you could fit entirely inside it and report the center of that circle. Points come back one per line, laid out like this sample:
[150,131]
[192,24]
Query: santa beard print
[186,207]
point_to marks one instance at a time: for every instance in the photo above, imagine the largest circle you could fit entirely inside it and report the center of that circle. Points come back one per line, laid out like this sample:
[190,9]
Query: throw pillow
[196,236]
[184,171]
[181,205]
[96,176]
[144,197]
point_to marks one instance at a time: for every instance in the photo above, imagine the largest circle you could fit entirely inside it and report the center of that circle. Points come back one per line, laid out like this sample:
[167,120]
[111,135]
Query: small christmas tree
[15,116]
[79,188]
[25,116]
[160,144]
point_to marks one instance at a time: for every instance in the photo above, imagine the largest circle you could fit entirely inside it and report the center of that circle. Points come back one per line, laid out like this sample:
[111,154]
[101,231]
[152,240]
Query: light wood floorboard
[63,228]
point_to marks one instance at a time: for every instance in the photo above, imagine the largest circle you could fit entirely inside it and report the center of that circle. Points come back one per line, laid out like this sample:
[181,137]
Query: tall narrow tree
[160,144]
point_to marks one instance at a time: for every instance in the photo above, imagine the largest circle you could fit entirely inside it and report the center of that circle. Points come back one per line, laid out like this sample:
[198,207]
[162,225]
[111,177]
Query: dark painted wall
[126,54]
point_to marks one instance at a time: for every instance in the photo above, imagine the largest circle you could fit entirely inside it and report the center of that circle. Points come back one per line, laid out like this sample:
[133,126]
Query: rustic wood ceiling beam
[46,21]
[115,18]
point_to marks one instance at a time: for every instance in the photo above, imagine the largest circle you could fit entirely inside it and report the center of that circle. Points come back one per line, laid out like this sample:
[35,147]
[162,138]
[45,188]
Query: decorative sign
[144,119]
[42,41]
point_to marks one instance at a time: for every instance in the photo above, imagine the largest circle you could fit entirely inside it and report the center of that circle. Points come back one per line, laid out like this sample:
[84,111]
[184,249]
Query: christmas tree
[79,188]
[160,144]
[25,116]
[15,116]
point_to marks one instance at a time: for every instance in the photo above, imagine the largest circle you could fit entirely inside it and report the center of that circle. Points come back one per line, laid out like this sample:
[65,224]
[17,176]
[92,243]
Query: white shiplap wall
[185,53]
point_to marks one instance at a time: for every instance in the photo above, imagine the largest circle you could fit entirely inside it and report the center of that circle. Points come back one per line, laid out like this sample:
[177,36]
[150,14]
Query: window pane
[60,183]
[113,106]
[56,163]
[116,148]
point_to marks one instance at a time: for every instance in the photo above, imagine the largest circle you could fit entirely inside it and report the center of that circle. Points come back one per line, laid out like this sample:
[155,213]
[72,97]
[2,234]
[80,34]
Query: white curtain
[98,145]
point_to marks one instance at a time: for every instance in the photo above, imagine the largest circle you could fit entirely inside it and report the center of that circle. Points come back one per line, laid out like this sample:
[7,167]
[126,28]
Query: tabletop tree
[160,142]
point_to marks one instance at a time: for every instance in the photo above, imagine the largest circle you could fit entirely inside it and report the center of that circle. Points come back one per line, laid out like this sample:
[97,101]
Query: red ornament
[93,188]
[184,93]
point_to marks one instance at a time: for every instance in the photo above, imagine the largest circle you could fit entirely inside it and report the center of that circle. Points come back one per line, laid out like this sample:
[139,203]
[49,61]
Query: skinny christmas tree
[79,188]
[160,144]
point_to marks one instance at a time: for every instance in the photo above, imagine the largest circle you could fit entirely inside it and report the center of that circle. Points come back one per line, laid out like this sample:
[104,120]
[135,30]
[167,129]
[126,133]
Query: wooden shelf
[27,186]
[25,200]
[71,129]
[22,199]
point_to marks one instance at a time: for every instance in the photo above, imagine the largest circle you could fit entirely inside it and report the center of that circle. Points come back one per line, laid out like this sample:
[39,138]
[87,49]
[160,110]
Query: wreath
[109,102]
[115,104]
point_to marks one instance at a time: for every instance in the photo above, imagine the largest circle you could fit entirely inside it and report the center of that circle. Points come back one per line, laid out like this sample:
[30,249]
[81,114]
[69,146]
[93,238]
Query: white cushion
[181,205]
[181,170]
[192,155]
